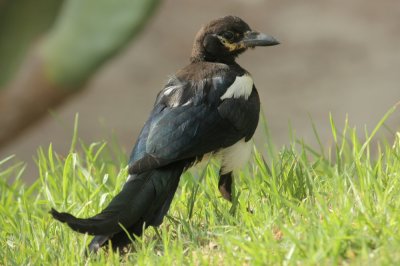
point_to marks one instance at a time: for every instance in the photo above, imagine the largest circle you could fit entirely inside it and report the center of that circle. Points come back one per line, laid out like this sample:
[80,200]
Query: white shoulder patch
[241,87]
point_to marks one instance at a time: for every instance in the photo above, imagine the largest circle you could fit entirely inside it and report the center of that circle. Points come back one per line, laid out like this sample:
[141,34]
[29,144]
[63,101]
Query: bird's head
[222,40]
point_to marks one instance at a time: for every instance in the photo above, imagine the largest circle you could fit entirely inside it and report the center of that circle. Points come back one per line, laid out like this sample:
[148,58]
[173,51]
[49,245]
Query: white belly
[235,156]
[232,158]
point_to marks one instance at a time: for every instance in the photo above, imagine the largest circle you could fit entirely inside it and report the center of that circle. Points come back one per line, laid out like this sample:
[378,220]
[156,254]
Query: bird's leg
[225,185]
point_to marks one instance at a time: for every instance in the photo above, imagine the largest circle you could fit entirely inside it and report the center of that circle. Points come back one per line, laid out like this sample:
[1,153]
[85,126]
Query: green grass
[334,206]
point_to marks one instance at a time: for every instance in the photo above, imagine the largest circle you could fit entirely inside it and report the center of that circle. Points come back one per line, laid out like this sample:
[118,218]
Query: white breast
[241,87]
[235,156]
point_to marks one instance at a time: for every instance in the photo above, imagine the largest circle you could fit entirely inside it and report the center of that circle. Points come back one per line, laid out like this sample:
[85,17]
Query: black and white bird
[210,107]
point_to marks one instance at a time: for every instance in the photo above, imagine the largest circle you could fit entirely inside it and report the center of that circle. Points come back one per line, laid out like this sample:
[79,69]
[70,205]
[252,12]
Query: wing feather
[191,120]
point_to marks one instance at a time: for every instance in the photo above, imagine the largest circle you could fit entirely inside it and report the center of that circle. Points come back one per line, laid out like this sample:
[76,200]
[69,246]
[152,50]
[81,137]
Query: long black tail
[143,201]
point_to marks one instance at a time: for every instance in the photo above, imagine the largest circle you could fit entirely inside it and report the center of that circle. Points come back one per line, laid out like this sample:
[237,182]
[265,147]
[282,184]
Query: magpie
[209,107]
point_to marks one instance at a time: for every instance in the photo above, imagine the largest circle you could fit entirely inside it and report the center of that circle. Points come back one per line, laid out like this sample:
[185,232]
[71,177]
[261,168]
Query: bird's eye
[228,35]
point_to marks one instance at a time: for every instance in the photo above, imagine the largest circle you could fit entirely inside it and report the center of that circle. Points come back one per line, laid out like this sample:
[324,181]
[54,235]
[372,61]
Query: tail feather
[122,239]
[97,242]
[125,209]
[144,200]
[118,240]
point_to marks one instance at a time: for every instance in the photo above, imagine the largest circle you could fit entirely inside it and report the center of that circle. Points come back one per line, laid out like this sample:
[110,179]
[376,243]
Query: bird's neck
[199,54]
[208,58]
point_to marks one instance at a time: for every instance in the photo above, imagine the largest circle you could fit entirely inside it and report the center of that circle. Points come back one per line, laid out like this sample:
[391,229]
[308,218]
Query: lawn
[336,205]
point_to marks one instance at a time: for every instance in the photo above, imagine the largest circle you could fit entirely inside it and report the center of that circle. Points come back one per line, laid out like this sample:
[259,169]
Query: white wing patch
[235,156]
[241,87]
[167,91]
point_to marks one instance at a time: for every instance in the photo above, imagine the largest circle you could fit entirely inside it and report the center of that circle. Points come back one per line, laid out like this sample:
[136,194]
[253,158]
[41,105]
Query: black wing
[189,120]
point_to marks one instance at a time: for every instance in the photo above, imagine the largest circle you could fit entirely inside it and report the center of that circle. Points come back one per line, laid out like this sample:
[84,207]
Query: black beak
[253,38]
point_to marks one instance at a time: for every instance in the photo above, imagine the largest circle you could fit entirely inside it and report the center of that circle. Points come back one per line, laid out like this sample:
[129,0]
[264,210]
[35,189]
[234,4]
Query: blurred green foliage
[49,48]
[77,36]
[87,33]
[21,23]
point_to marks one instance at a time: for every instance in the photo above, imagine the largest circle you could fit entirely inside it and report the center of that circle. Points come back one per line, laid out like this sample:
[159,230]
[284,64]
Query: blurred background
[106,60]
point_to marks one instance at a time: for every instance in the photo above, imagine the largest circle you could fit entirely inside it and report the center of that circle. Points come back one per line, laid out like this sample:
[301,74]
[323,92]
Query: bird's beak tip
[254,38]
